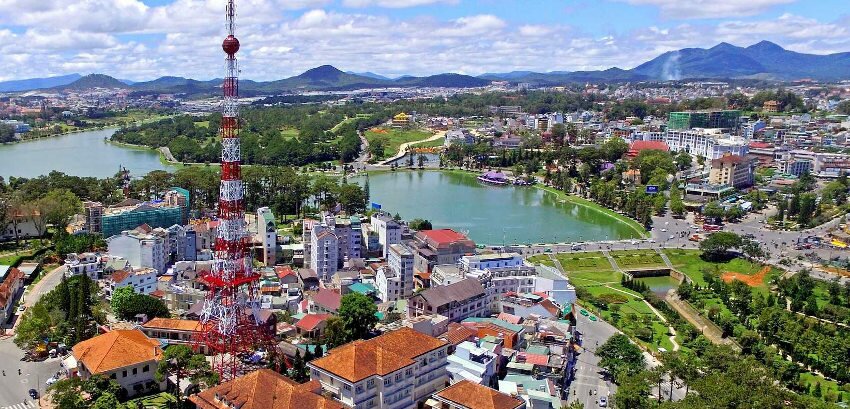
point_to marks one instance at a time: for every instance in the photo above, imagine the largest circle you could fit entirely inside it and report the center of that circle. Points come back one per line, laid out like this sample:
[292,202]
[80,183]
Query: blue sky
[145,39]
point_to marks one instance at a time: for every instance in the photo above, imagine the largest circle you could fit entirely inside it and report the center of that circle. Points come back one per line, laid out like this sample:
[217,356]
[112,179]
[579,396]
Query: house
[171,331]
[398,369]
[442,246]
[463,299]
[10,291]
[286,275]
[263,389]
[637,146]
[510,334]
[732,170]
[389,230]
[325,302]
[537,393]
[127,356]
[469,362]
[525,304]
[143,281]
[83,263]
[469,395]
[312,325]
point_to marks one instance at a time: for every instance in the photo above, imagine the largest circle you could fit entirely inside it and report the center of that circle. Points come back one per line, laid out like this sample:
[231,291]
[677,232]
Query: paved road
[14,387]
[44,286]
[587,377]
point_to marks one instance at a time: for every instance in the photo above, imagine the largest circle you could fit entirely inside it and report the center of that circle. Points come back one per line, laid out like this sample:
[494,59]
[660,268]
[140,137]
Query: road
[44,286]
[587,379]
[14,387]
[402,149]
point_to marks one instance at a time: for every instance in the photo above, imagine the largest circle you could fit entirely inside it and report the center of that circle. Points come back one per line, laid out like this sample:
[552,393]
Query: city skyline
[142,40]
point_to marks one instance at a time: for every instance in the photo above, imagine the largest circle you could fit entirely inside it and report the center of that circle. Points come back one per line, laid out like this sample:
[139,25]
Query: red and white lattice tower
[230,328]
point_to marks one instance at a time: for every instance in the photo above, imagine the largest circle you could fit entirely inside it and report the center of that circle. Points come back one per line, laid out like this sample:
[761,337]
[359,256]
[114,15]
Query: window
[398,377]
[346,387]
[146,368]
[124,373]
[370,383]
[113,376]
[388,382]
[135,371]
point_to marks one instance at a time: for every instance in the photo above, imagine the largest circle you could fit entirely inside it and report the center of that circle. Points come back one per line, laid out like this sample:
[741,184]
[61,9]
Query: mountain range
[760,61]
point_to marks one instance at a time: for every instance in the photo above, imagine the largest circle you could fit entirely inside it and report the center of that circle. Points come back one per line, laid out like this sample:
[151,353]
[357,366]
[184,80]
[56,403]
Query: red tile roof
[638,146]
[513,319]
[760,145]
[116,349]
[458,333]
[382,355]
[264,389]
[9,285]
[443,236]
[474,396]
[328,298]
[283,271]
[310,321]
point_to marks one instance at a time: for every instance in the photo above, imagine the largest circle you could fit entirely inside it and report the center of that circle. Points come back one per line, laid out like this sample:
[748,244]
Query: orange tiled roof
[116,349]
[387,353]
[120,276]
[12,278]
[264,389]
[171,323]
[475,396]
[459,333]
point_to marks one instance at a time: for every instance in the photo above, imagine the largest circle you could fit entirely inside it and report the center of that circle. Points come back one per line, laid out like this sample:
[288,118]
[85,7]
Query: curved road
[402,149]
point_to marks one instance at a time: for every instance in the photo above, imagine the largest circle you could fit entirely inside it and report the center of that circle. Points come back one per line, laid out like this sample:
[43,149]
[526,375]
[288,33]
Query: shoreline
[576,200]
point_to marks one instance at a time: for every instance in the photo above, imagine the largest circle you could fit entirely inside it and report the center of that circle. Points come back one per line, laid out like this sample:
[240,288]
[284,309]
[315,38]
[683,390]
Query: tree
[352,198]
[420,224]
[633,391]
[421,161]
[614,149]
[649,161]
[334,334]
[684,160]
[713,210]
[59,205]
[620,357]
[357,313]
[129,304]
[717,245]
[183,363]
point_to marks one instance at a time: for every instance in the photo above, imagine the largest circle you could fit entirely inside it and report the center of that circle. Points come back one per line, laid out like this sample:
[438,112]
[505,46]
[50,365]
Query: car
[21,309]
[672,236]
[664,230]
[33,393]
[592,318]
[52,380]
[634,242]
[583,312]
[602,401]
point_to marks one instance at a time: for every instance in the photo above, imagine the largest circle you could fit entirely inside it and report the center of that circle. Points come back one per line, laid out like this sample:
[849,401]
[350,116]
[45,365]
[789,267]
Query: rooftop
[116,349]
[474,396]
[442,236]
[172,324]
[264,389]
[382,355]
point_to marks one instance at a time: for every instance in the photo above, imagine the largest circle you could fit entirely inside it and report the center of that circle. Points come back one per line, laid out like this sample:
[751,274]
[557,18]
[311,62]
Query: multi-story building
[93,212]
[143,281]
[267,232]
[343,237]
[726,119]
[263,389]
[458,301]
[472,363]
[399,369]
[732,170]
[400,260]
[822,163]
[131,213]
[388,283]
[140,249]
[389,230]
[324,252]
[444,246]
[126,356]
[170,331]
[488,261]
[707,143]
[11,287]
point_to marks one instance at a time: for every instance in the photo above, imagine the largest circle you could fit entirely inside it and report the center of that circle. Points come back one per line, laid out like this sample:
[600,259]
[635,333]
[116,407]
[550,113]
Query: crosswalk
[24,405]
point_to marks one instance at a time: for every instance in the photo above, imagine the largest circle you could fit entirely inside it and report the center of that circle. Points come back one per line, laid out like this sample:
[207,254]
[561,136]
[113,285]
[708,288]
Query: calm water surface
[492,215]
[78,154]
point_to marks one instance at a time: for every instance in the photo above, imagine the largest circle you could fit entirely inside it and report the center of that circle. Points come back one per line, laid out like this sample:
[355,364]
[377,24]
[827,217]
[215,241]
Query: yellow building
[402,120]
[771,106]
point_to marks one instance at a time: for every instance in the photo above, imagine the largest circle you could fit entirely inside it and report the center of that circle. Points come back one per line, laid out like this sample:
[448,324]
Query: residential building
[511,335]
[267,232]
[458,301]
[459,137]
[537,393]
[469,362]
[445,274]
[143,281]
[171,331]
[707,143]
[732,170]
[389,284]
[333,243]
[324,252]
[637,146]
[389,230]
[488,261]
[325,301]
[23,227]
[526,304]
[770,106]
[443,246]
[400,261]
[83,263]
[312,325]
[263,389]
[93,212]
[398,369]
[140,249]
[11,287]
[470,395]
[726,119]
[126,356]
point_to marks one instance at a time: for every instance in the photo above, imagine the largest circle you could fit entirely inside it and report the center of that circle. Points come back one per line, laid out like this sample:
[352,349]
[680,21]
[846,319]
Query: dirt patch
[754,280]
[378,130]
[834,270]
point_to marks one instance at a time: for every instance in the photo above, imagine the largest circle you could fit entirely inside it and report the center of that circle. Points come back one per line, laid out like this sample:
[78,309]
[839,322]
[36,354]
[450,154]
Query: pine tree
[817,391]
[64,296]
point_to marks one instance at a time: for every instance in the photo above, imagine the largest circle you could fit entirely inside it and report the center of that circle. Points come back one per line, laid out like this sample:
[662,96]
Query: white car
[664,230]
[52,380]
[602,402]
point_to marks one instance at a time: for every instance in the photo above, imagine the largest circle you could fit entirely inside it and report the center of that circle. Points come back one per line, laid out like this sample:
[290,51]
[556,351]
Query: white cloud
[691,9]
[394,3]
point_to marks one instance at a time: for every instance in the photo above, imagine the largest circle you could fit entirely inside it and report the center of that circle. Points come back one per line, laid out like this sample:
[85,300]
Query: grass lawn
[609,276]
[637,258]
[430,144]
[289,133]
[690,263]
[590,261]
[161,400]
[395,137]
[810,379]
[542,259]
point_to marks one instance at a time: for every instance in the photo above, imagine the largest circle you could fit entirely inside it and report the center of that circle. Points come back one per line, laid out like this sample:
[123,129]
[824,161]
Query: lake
[78,154]
[492,215]
[659,285]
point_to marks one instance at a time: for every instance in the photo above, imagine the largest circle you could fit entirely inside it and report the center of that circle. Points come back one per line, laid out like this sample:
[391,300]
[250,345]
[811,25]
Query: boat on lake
[493,178]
